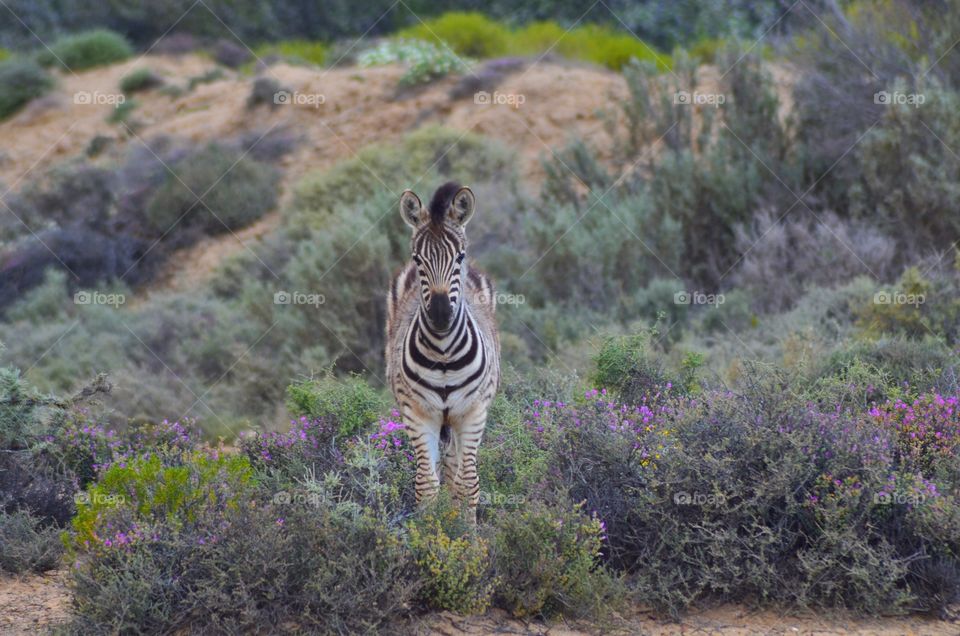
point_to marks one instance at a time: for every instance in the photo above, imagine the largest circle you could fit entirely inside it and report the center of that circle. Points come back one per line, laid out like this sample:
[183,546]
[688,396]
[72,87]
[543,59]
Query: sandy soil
[33,603]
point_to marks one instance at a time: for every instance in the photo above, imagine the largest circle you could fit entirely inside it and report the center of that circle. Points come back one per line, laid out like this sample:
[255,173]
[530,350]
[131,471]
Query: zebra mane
[441,201]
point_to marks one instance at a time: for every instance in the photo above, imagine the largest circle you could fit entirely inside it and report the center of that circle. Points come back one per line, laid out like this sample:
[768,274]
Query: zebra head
[439,249]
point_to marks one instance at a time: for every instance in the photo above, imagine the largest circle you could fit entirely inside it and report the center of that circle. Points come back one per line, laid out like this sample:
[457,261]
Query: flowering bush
[926,431]
[146,491]
[454,563]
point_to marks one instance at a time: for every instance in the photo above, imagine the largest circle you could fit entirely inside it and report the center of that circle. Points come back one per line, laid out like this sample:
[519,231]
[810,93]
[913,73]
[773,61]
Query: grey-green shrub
[141,79]
[20,81]
[27,545]
[216,189]
[86,50]
[350,402]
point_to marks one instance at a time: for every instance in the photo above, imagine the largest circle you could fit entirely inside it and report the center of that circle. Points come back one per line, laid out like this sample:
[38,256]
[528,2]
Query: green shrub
[21,81]
[86,50]
[510,461]
[453,562]
[915,306]
[614,49]
[141,79]
[213,75]
[28,546]
[350,402]
[468,34]
[259,566]
[21,411]
[425,61]
[147,491]
[122,112]
[630,367]
[216,189]
[547,562]
[303,51]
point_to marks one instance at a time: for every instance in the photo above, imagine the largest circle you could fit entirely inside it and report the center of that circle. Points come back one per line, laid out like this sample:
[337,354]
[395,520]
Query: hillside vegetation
[728,296]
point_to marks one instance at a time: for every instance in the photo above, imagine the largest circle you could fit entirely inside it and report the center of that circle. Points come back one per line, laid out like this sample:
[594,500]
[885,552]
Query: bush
[121,113]
[28,546]
[425,62]
[630,367]
[350,402]
[215,189]
[142,79]
[453,562]
[298,51]
[757,494]
[21,81]
[147,490]
[86,50]
[260,565]
[468,34]
[781,258]
[547,563]
[915,306]
[231,54]
[264,92]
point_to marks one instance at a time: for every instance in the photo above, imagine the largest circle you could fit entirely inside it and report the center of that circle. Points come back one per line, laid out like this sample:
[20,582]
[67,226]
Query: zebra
[442,345]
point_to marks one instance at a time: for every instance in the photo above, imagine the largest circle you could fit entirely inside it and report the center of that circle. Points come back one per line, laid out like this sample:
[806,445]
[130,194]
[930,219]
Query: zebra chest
[444,373]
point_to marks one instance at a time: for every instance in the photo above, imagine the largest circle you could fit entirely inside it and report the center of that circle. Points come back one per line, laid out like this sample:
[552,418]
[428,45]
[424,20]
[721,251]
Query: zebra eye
[461,257]
[416,258]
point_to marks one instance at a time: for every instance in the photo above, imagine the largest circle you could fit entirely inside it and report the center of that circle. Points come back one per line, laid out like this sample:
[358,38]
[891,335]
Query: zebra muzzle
[440,311]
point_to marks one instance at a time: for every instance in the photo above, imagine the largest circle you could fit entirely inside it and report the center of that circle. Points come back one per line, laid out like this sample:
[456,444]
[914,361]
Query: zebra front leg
[467,480]
[425,438]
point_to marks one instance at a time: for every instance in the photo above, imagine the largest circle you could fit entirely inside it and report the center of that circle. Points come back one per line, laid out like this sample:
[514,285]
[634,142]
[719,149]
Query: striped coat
[443,350]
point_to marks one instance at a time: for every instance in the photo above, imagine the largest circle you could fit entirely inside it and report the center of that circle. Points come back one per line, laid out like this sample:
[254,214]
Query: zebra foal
[443,350]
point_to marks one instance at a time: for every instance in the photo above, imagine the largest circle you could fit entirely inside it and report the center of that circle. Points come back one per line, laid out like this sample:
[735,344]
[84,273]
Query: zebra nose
[440,310]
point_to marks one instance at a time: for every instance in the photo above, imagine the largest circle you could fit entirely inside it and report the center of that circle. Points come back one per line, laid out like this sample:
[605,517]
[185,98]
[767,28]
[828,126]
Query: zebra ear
[411,209]
[463,206]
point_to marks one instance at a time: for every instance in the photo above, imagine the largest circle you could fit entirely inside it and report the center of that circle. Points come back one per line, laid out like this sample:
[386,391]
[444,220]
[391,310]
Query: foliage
[546,563]
[425,61]
[453,562]
[28,546]
[20,81]
[121,113]
[150,490]
[350,402]
[86,50]
[216,189]
[298,51]
[142,79]
[467,34]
